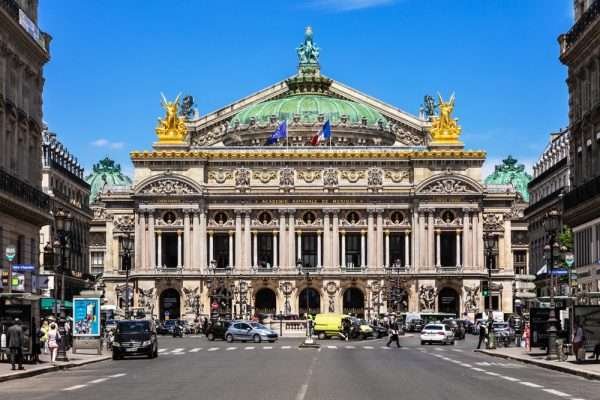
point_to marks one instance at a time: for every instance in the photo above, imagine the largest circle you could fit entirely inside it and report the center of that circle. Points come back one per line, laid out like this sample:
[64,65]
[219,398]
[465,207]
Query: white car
[438,333]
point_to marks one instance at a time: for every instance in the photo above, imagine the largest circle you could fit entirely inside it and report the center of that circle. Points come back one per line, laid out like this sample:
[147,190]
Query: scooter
[178,331]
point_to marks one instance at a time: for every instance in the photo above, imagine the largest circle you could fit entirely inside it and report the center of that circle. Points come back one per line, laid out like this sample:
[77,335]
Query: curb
[53,368]
[557,367]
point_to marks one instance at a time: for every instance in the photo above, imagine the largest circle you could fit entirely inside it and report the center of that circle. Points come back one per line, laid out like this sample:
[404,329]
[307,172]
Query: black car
[415,325]
[216,330]
[135,337]
[457,326]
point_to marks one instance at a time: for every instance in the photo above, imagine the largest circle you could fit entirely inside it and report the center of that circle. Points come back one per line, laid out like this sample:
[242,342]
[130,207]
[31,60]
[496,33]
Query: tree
[565,238]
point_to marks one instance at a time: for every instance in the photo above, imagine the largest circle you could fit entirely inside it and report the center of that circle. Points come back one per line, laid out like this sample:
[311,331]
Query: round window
[397,217]
[309,218]
[220,218]
[169,217]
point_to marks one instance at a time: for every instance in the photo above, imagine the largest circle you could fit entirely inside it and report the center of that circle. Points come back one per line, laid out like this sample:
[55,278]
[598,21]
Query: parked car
[361,329]
[437,333]
[166,327]
[135,337]
[216,329]
[469,326]
[379,331]
[415,325]
[457,326]
[247,330]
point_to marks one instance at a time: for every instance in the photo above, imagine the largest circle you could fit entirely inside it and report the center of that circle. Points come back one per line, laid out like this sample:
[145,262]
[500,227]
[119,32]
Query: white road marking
[268,348]
[465,365]
[385,348]
[349,347]
[249,348]
[332,347]
[492,373]
[177,350]
[99,380]
[368,347]
[116,375]
[455,362]
[73,388]
[178,354]
[286,347]
[162,350]
[213,349]
[556,393]
[231,348]
[483,364]
[458,350]
[477,369]
[197,349]
[531,384]
[509,378]
[438,349]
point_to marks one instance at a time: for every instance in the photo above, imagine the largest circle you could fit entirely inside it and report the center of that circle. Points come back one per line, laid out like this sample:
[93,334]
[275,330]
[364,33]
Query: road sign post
[10,252]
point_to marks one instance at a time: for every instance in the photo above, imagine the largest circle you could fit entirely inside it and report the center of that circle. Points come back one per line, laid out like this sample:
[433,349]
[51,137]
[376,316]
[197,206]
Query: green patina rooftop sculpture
[509,172]
[106,172]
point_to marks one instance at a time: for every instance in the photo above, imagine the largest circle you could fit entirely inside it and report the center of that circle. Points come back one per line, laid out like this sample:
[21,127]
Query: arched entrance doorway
[311,298]
[220,303]
[265,302]
[354,302]
[448,301]
[169,304]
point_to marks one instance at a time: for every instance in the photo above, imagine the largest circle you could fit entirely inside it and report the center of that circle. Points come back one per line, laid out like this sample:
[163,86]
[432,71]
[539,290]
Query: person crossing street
[482,335]
[393,332]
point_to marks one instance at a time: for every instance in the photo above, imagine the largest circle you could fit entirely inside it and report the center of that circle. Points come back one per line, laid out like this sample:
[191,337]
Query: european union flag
[280,133]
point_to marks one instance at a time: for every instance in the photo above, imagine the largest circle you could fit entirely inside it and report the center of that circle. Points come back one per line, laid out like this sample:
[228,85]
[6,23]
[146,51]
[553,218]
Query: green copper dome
[106,172]
[309,107]
[509,172]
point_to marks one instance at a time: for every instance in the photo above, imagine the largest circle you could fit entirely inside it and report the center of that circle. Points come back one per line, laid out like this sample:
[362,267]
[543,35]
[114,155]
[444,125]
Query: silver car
[249,330]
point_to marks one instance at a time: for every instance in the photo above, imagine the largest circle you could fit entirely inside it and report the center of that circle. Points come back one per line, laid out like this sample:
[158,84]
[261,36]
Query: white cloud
[348,5]
[107,143]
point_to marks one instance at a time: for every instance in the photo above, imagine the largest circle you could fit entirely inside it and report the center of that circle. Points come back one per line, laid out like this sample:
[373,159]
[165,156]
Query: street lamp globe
[68,222]
[59,219]
[490,241]
[127,243]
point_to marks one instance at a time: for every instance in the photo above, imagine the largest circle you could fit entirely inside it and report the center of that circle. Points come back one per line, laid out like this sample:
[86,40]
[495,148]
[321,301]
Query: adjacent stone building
[24,208]
[388,213]
[579,52]
[62,180]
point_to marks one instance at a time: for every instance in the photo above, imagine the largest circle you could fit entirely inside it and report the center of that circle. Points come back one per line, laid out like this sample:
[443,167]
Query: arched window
[220,218]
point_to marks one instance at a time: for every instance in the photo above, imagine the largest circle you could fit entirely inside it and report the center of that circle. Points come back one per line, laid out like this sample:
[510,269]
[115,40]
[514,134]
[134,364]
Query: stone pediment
[449,183]
[168,184]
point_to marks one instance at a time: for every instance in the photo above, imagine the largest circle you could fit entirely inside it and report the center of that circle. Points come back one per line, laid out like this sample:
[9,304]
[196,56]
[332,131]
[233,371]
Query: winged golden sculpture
[444,128]
[171,129]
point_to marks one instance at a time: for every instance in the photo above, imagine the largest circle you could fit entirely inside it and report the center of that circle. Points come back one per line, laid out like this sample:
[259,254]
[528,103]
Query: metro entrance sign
[10,252]
[569,259]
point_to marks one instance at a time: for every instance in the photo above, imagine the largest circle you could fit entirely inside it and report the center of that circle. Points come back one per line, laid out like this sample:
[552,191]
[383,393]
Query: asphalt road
[194,368]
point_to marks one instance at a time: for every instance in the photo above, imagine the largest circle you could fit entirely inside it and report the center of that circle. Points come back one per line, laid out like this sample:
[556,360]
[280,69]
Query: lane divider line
[556,392]
[531,384]
[73,388]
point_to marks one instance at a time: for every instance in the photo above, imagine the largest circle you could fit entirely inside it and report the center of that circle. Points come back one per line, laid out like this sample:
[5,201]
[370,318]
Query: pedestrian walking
[482,334]
[53,339]
[393,331]
[16,340]
[578,341]
[44,335]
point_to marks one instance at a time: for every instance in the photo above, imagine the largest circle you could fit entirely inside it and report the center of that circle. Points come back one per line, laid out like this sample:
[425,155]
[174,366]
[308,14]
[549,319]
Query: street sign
[520,277]
[23,268]
[520,285]
[525,295]
[10,252]
[569,259]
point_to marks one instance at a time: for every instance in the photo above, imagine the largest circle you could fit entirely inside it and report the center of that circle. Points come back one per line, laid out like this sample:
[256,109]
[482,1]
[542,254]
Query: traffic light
[485,289]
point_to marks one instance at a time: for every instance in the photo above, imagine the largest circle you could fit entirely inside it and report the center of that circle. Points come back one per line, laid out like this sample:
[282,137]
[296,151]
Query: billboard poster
[86,316]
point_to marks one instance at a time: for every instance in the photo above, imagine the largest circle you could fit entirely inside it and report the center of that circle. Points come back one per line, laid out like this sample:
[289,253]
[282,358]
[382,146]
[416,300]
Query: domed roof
[106,172]
[509,172]
[309,107]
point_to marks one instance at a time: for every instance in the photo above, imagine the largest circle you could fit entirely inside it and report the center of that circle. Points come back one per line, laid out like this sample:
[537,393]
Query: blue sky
[111,59]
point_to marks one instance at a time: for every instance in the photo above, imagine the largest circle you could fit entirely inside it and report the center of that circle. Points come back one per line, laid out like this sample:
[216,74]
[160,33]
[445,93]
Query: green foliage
[565,238]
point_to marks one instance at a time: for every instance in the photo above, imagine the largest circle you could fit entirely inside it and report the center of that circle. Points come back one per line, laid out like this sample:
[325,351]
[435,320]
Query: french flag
[323,134]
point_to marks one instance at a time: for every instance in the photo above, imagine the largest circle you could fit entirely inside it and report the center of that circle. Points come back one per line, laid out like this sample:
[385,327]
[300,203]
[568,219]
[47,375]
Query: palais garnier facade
[386,213]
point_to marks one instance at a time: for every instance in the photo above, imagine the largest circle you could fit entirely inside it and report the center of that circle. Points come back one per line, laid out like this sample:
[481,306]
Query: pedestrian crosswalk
[181,351]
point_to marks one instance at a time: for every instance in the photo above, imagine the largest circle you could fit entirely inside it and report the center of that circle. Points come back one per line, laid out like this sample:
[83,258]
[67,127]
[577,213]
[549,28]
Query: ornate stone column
[275,257]
[508,259]
[319,250]
[292,238]
[416,228]
[186,240]
[335,240]
[152,237]
[247,241]
[179,249]
[159,241]
[326,240]
[379,237]
[407,248]
[144,252]
[138,240]
[431,240]
[195,242]
[238,240]
[371,239]
[343,233]
[202,245]
[299,244]
[363,249]
[110,260]
[386,263]
[283,259]
[254,248]
[458,264]
[438,249]
[231,260]
[466,238]
[211,246]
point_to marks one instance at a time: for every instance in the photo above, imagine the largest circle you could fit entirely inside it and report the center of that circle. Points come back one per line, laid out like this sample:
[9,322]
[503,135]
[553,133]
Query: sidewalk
[588,369]
[75,360]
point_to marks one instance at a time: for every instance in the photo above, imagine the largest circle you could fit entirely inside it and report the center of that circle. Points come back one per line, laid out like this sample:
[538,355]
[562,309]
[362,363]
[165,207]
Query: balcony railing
[581,193]
[260,270]
[449,268]
[588,18]
[353,268]
[23,191]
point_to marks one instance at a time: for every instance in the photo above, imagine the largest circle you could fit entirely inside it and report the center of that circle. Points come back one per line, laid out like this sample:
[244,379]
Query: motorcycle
[178,331]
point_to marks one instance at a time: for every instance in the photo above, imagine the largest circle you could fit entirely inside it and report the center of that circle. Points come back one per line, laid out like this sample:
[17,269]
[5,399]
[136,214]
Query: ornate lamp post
[551,224]
[127,244]
[308,341]
[490,244]
[63,223]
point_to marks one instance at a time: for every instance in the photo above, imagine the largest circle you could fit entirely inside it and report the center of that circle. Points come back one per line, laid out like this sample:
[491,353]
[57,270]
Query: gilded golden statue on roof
[444,128]
[171,128]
